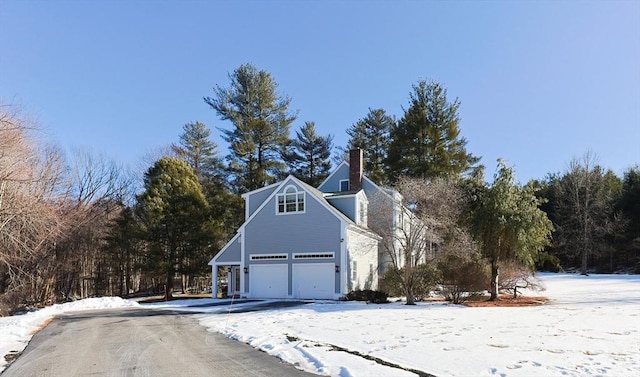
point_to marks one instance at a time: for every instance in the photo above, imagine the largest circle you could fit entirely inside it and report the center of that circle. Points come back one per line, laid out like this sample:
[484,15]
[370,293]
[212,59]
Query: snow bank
[16,331]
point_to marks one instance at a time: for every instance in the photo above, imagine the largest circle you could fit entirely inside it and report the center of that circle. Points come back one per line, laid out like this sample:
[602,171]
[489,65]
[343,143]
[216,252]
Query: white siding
[363,254]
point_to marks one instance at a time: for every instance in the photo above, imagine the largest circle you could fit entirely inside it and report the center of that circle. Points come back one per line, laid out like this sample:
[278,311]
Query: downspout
[343,258]
[243,291]
[214,280]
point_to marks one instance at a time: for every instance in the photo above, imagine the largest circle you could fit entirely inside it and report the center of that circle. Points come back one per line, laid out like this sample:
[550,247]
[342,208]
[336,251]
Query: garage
[269,281]
[314,280]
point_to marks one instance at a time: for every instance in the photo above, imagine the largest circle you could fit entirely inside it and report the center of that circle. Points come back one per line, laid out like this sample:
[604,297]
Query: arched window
[291,201]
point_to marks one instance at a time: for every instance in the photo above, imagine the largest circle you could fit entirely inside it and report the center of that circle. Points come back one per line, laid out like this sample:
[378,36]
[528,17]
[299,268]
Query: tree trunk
[409,294]
[585,224]
[168,288]
[585,247]
[494,280]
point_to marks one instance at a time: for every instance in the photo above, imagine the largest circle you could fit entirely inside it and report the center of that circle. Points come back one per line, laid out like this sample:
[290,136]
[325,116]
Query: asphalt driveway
[139,342]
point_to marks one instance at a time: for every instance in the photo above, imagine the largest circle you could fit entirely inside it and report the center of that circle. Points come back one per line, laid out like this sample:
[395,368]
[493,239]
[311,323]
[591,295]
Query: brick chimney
[355,169]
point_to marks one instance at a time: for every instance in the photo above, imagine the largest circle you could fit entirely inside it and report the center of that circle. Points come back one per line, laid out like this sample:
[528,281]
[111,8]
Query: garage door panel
[269,281]
[314,280]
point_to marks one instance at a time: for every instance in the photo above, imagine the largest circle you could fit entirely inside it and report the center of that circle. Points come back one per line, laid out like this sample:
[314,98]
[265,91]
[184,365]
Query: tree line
[74,228]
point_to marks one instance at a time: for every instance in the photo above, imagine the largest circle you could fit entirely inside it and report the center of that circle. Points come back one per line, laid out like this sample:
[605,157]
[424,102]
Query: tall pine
[426,142]
[309,158]
[200,152]
[261,120]
[371,134]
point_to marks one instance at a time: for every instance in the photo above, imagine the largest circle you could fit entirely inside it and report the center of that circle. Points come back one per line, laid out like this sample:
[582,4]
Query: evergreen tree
[506,221]
[426,142]
[371,134]
[629,206]
[197,149]
[174,220]
[122,244]
[309,158]
[261,122]
[629,203]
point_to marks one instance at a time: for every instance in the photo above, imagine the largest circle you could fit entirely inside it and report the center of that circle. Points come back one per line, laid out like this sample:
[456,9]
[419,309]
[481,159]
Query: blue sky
[539,82]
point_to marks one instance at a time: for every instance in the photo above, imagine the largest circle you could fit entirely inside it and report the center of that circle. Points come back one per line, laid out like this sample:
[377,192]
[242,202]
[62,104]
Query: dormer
[354,205]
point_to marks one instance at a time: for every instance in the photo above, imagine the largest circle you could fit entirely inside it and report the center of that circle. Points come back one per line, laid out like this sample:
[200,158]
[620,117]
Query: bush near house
[374,297]
[463,277]
[425,277]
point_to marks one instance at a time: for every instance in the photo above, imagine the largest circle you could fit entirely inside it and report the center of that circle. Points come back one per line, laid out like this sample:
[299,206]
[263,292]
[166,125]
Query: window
[344,185]
[268,256]
[354,270]
[291,201]
[313,255]
[362,213]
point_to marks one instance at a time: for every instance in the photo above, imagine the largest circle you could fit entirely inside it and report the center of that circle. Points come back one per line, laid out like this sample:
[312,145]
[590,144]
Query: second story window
[362,213]
[291,201]
[344,185]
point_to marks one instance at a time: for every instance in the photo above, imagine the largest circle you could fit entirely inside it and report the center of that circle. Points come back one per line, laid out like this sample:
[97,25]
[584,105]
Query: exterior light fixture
[246,270]
[337,268]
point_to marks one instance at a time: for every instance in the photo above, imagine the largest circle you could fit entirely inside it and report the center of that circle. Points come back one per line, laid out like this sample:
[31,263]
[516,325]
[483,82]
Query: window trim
[299,200]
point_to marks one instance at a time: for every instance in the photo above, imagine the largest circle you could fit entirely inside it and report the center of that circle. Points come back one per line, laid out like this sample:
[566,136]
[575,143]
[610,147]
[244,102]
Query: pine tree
[506,221]
[261,120]
[174,220]
[197,149]
[309,158]
[371,134]
[426,142]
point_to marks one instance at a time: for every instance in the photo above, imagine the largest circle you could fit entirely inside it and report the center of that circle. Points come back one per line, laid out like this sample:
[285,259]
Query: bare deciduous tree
[585,209]
[418,220]
[515,276]
[30,218]
[97,188]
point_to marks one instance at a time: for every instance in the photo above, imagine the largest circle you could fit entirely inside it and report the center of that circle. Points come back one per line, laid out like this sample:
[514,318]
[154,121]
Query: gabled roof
[387,191]
[260,189]
[320,196]
[224,248]
[313,192]
[334,172]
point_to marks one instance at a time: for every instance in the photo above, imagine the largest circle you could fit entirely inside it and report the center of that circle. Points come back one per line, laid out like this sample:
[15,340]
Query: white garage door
[269,281]
[314,280]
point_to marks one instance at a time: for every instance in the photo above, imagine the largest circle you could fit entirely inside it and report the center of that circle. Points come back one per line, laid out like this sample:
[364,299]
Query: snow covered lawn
[591,327]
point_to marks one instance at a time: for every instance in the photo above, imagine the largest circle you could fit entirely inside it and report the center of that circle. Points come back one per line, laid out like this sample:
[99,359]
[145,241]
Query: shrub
[513,277]
[391,283]
[425,278]
[463,277]
[375,297]
[548,262]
